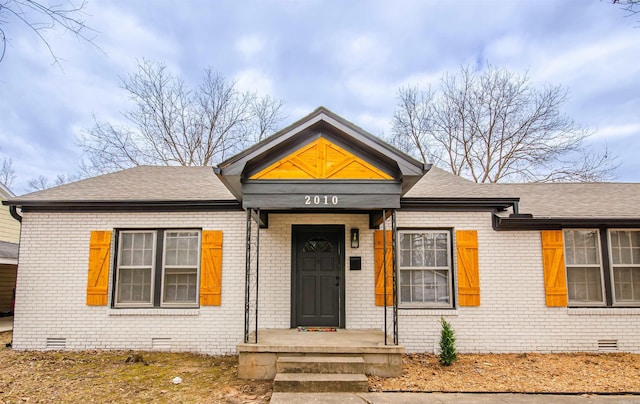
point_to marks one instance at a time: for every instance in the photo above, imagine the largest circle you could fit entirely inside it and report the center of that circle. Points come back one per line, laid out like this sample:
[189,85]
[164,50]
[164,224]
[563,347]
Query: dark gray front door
[318,284]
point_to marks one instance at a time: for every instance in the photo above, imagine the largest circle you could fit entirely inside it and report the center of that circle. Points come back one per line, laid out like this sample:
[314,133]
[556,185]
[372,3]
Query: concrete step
[320,382]
[320,364]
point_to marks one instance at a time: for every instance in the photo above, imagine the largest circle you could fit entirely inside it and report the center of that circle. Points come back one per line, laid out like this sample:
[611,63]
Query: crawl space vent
[607,345]
[161,343]
[56,343]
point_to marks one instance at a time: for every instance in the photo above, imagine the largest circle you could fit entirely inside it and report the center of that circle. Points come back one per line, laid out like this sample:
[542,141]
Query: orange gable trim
[321,159]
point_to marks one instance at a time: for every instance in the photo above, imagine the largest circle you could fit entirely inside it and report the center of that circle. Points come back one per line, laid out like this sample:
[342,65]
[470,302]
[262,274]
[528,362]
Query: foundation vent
[161,344]
[56,343]
[607,345]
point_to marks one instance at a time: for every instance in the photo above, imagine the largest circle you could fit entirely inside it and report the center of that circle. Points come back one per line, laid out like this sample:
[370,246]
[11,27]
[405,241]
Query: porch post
[394,275]
[252,260]
[384,270]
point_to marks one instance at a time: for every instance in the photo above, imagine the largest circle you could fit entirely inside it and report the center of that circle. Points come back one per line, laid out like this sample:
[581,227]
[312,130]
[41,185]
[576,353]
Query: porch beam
[377,218]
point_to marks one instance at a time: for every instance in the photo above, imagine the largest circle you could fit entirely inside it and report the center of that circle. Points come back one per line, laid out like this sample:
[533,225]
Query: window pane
[180,286]
[627,284]
[136,249]
[424,286]
[181,248]
[405,294]
[134,285]
[584,284]
[581,247]
[442,284]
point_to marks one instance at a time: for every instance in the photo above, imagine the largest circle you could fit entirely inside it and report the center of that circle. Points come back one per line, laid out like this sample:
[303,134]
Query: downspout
[13,210]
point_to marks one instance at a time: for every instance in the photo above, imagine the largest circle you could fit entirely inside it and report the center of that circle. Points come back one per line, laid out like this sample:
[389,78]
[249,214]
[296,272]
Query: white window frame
[448,268]
[612,267]
[603,294]
[119,266]
[164,269]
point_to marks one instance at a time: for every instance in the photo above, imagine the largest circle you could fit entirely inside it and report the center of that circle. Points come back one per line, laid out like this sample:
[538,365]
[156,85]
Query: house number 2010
[320,200]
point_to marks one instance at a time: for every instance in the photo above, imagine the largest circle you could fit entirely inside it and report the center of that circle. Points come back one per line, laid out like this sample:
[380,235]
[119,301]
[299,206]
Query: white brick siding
[512,317]
[52,281]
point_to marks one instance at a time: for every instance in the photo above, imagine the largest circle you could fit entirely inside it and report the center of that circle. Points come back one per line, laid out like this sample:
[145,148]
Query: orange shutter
[468,269]
[98,277]
[211,268]
[555,281]
[378,241]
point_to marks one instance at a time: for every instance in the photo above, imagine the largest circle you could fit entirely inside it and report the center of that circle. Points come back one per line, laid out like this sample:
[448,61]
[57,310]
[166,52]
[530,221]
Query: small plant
[448,353]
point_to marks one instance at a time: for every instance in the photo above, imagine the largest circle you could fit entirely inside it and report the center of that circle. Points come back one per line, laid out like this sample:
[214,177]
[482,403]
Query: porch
[261,360]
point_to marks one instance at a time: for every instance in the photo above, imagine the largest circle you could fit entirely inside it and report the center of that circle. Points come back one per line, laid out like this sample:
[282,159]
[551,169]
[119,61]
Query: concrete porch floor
[259,361]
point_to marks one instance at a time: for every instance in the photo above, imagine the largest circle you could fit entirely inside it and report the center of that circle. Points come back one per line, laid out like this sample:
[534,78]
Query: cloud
[254,80]
[360,51]
[618,131]
[250,46]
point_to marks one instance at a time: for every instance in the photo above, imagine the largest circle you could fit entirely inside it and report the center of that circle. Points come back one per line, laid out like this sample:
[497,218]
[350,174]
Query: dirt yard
[107,376]
[527,373]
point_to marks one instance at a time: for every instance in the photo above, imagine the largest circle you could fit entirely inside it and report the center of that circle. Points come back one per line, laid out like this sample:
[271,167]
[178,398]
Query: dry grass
[570,372]
[105,377]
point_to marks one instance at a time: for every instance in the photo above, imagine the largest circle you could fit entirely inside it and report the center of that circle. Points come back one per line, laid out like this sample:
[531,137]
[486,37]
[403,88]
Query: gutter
[124,205]
[515,222]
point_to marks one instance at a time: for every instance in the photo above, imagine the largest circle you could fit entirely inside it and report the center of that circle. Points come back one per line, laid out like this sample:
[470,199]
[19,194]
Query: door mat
[317,329]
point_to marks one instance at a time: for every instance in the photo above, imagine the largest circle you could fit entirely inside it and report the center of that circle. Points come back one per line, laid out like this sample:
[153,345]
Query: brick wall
[512,317]
[52,281]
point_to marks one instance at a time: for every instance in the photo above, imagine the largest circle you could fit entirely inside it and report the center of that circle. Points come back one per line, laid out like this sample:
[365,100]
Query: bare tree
[7,172]
[494,126]
[630,6]
[42,182]
[41,18]
[171,124]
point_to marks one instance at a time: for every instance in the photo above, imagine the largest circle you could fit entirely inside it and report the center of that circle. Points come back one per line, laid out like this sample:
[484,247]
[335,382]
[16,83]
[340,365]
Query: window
[157,268]
[425,268]
[625,264]
[584,269]
[603,267]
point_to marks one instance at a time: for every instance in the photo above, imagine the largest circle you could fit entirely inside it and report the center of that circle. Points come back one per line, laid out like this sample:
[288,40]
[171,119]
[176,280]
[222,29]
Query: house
[320,225]
[9,237]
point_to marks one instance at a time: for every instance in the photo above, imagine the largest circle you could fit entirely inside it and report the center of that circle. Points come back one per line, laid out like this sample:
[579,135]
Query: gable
[321,159]
[321,155]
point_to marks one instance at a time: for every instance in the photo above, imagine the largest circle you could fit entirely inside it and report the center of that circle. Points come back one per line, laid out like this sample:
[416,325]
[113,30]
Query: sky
[350,56]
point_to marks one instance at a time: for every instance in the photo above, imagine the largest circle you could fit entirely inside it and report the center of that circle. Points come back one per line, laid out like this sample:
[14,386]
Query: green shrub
[448,353]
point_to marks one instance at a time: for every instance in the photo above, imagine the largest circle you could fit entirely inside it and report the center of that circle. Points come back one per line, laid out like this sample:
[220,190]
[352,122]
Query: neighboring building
[173,257]
[9,237]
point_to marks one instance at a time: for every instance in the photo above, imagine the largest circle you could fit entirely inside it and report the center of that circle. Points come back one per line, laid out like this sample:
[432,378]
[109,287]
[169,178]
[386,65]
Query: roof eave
[126,205]
[456,204]
[529,222]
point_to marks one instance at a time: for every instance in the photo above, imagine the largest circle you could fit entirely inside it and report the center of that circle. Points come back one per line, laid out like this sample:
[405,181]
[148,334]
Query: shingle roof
[558,200]
[576,200]
[142,183]
[161,183]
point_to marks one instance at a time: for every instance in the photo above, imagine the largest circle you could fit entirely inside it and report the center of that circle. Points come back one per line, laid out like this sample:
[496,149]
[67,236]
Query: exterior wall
[9,227]
[512,316]
[275,271]
[52,282]
[7,286]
